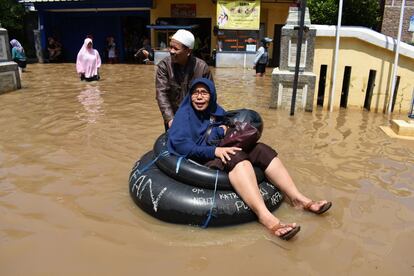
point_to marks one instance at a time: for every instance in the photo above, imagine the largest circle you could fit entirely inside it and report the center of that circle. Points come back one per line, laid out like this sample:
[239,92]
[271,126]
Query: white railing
[366,35]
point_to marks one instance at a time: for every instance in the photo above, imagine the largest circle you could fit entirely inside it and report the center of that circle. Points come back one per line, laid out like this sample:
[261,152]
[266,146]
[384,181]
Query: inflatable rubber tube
[169,200]
[192,173]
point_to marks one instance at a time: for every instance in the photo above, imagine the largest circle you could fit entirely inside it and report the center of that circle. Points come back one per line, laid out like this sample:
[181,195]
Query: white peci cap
[184,37]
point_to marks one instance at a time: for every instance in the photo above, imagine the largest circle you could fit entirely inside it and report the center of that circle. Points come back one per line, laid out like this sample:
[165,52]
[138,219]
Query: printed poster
[238,15]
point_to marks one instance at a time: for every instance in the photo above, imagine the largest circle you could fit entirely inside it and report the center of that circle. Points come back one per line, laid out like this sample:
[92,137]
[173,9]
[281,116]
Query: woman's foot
[281,230]
[316,207]
[285,231]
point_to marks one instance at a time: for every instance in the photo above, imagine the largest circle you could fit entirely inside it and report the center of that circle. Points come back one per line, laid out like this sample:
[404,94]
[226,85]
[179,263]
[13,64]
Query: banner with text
[238,15]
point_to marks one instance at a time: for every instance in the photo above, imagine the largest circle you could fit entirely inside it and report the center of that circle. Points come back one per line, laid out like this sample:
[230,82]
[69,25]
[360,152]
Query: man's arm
[161,86]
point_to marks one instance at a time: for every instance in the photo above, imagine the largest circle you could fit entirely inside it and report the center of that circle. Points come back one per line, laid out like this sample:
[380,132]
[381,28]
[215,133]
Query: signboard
[411,27]
[183,10]
[238,15]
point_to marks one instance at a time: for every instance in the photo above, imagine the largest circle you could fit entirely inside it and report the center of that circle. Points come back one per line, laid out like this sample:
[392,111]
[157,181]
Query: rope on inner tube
[177,167]
[210,213]
[147,166]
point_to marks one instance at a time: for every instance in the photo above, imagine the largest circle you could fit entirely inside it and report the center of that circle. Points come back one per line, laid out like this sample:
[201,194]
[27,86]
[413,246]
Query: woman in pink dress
[88,62]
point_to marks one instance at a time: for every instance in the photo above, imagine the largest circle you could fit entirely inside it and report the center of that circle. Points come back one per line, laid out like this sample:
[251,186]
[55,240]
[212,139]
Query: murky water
[67,147]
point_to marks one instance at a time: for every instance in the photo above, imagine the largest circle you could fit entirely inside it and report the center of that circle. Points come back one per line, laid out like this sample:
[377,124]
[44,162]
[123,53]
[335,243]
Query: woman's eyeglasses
[202,93]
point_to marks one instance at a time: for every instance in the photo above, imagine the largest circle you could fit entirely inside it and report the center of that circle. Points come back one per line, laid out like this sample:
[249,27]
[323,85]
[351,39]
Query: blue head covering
[190,125]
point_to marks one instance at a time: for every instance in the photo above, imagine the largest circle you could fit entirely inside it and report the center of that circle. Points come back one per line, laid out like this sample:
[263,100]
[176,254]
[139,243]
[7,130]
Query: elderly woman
[187,138]
[18,54]
[88,62]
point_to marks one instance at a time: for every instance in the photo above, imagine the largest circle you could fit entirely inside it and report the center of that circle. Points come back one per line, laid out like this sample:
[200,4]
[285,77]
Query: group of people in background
[88,59]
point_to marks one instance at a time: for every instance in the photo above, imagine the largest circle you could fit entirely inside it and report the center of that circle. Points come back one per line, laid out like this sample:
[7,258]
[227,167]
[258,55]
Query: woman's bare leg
[243,180]
[279,176]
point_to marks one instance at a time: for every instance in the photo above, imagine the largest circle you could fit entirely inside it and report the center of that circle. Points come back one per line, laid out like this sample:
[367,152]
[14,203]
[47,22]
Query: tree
[364,13]
[323,12]
[11,15]
[361,13]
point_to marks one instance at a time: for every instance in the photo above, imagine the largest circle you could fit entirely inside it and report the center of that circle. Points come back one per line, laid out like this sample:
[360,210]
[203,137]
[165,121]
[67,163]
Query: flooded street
[67,148]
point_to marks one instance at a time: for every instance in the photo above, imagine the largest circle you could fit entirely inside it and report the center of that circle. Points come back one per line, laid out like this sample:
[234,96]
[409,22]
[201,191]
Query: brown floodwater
[67,148]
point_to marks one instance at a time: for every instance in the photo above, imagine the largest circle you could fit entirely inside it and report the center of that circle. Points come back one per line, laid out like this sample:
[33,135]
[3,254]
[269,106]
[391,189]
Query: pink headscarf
[88,60]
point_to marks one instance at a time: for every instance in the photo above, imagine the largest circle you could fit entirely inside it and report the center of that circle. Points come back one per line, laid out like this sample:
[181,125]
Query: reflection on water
[92,101]
[67,148]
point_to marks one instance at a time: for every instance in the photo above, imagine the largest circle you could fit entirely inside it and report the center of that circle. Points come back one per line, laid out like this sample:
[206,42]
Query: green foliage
[11,15]
[361,13]
[323,12]
[354,12]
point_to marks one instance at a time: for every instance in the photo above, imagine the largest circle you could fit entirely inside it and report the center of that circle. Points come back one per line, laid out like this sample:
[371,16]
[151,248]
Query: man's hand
[224,153]
[170,123]
[225,128]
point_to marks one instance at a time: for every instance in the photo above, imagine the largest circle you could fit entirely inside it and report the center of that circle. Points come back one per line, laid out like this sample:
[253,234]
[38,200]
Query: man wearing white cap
[175,73]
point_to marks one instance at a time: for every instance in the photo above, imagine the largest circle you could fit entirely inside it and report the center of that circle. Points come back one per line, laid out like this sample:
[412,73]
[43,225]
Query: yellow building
[366,59]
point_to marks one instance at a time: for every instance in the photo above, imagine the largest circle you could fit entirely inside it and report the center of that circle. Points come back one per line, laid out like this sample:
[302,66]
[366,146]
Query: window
[237,40]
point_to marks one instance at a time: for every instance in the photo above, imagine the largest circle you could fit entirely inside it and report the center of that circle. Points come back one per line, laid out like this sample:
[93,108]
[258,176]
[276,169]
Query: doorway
[345,86]
[134,32]
[370,89]
[277,38]
[321,85]
[394,97]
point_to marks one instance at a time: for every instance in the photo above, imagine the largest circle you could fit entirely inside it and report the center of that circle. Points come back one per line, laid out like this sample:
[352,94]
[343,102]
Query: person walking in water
[262,57]
[175,73]
[54,48]
[199,113]
[18,55]
[111,50]
[88,62]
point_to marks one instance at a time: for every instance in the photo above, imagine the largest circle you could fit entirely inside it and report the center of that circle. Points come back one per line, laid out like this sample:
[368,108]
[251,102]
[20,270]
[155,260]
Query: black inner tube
[192,173]
[169,200]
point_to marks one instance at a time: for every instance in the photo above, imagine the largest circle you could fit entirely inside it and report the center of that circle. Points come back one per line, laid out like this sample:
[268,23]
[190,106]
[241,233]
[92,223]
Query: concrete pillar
[38,46]
[282,78]
[9,72]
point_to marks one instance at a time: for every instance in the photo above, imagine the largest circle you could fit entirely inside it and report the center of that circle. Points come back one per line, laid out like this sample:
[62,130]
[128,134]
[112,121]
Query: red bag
[242,135]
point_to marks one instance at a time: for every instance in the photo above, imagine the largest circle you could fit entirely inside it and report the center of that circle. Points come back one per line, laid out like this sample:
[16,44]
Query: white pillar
[333,80]
[397,52]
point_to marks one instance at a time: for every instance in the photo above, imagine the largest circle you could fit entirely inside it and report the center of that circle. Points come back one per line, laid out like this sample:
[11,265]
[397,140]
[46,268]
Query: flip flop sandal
[288,235]
[325,207]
